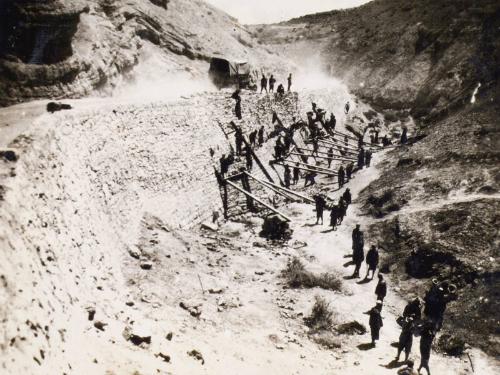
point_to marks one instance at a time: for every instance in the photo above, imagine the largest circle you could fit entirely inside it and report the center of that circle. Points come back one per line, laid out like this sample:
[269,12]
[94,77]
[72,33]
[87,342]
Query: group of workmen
[412,322]
[264,81]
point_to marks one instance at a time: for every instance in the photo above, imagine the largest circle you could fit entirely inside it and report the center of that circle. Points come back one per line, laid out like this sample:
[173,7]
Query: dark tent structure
[227,73]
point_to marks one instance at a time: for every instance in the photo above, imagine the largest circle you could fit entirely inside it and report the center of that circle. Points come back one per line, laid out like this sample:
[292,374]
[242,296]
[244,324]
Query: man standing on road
[381,288]
[371,261]
[289,81]
[320,207]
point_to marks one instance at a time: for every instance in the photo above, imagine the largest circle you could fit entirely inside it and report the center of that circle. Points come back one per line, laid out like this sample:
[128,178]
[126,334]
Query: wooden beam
[316,167]
[322,152]
[260,201]
[352,150]
[324,157]
[285,189]
[308,170]
[269,186]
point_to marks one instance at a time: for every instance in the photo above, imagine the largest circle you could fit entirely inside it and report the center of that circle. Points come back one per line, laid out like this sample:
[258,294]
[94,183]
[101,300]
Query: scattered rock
[197,355]
[54,107]
[136,338]
[146,265]
[210,226]
[91,312]
[351,328]
[194,310]
[215,291]
[8,155]
[164,357]
[100,325]
[276,228]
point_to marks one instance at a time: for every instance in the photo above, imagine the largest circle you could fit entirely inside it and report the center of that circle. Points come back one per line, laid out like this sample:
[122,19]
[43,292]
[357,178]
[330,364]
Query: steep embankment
[69,49]
[84,206]
[438,63]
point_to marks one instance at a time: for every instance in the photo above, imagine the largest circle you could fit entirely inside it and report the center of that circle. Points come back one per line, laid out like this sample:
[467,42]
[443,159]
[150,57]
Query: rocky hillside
[436,201]
[69,49]
[401,55]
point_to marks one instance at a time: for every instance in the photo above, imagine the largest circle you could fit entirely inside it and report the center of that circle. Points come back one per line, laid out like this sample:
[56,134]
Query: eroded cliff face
[59,49]
[425,57]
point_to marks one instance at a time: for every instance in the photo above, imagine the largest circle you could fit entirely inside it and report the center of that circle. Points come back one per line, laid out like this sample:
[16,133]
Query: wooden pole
[315,167]
[309,170]
[322,152]
[260,201]
[283,188]
[352,150]
[269,186]
[334,158]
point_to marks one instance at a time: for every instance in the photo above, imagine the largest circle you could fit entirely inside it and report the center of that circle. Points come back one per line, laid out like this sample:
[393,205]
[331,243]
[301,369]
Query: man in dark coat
[309,179]
[260,135]
[426,338]
[375,322]
[406,337]
[358,255]
[272,81]
[348,171]
[320,207]
[334,216]
[361,159]
[263,83]
[296,174]
[238,139]
[371,261]
[368,157]
[248,158]
[342,210]
[287,176]
[341,176]
[252,137]
[413,309]
[381,288]
[237,108]
[289,79]
[330,156]
[404,136]
[347,196]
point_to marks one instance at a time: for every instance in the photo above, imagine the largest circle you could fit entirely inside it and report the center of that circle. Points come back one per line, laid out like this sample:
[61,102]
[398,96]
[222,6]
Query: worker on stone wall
[237,108]
[263,83]
[272,81]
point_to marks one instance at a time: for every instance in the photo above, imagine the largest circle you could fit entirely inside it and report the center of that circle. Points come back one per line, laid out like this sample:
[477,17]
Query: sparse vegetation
[298,277]
[351,328]
[321,317]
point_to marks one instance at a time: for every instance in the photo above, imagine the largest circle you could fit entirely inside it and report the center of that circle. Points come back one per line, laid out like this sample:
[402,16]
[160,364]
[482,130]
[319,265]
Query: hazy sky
[269,11]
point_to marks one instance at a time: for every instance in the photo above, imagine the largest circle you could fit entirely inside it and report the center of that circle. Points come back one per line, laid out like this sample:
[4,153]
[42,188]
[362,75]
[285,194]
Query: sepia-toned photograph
[249,187]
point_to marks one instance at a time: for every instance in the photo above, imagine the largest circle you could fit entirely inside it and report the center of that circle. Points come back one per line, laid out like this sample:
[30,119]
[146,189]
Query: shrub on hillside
[297,276]
[321,317]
